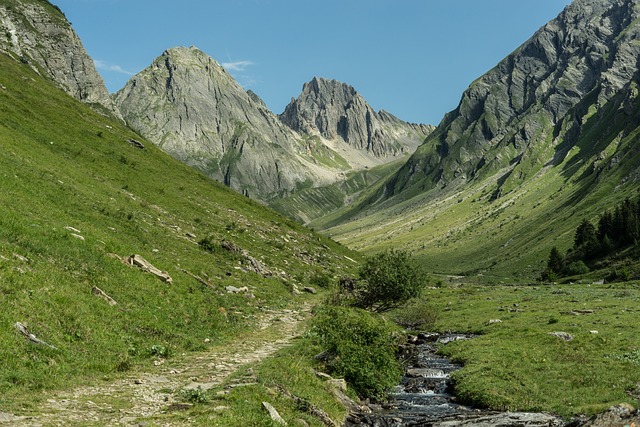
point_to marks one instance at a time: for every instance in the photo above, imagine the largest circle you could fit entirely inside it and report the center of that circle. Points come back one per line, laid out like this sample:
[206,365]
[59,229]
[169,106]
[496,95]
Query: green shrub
[321,280]
[576,268]
[160,351]
[361,347]
[209,244]
[197,395]
[418,314]
[387,280]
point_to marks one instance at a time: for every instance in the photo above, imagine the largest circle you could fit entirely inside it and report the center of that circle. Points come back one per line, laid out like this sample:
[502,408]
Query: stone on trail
[9,418]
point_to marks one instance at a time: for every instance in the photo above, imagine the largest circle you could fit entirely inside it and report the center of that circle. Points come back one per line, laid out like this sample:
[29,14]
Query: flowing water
[424,397]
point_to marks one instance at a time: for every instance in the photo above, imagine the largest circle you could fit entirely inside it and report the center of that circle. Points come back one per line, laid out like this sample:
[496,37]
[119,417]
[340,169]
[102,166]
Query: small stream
[424,397]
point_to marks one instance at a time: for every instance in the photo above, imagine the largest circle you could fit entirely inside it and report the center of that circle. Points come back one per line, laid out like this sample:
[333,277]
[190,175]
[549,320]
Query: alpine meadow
[177,254]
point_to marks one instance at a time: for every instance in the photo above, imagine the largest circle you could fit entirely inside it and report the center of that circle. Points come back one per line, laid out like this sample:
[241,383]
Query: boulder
[273,413]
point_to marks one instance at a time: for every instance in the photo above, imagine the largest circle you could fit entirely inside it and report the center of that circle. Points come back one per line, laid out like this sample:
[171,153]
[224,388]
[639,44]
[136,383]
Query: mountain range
[187,104]
[549,133]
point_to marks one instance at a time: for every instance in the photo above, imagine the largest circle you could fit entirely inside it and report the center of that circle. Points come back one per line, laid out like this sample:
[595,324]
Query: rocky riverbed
[425,398]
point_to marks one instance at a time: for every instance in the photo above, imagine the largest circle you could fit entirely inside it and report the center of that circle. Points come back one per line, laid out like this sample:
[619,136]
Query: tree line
[615,230]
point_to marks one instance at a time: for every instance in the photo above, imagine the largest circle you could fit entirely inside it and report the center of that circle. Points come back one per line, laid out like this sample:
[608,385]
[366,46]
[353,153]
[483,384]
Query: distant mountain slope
[38,33]
[336,110]
[530,109]
[193,109]
[546,138]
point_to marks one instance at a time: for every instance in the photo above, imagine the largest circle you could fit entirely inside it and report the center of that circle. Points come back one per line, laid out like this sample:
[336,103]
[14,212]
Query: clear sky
[413,58]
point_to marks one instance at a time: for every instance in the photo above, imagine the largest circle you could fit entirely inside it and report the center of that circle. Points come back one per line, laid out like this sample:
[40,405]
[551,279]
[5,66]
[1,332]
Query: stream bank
[424,396]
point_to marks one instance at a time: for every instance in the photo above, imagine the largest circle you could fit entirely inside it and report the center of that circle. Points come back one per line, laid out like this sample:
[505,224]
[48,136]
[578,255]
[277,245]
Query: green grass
[516,365]
[292,369]
[63,165]
[464,231]
[504,217]
[318,206]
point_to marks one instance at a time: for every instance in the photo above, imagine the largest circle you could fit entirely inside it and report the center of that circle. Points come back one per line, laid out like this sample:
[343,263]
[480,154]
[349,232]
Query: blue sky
[413,58]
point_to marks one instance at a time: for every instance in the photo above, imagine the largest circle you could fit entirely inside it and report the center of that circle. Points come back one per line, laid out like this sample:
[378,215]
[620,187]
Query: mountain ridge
[333,109]
[499,116]
[39,34]
[546,137]
[191,107]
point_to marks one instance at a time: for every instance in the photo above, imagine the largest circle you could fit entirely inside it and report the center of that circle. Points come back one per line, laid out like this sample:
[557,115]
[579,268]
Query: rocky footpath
[136,399]
[39,34]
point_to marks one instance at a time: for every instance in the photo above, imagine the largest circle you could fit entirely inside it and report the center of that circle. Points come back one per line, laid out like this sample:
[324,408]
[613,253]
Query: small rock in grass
[273,413]
[562,335]
[494,321]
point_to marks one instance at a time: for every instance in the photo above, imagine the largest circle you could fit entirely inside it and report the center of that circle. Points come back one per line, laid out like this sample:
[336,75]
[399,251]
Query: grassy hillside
[473,230]
[76,197]
[319,203]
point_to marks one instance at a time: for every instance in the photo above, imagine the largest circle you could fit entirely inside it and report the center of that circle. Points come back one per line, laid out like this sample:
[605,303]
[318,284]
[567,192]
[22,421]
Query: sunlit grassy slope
[74,195]
[467,230]
[316,203]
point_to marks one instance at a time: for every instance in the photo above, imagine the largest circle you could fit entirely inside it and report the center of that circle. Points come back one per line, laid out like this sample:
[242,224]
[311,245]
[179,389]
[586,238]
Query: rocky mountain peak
[39,34]
[529,110]
[193,109]
[335,110]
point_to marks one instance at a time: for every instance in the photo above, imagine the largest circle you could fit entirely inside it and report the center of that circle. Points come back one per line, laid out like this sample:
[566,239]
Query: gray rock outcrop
[39,34]
[336,110]
[530,110]
[187,104]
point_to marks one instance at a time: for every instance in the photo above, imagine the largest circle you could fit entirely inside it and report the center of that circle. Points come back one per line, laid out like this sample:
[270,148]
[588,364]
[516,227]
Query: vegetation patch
[518,365]
[360,347]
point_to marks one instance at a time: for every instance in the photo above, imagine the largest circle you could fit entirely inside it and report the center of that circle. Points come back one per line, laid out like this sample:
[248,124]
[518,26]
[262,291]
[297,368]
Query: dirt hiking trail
[130,400]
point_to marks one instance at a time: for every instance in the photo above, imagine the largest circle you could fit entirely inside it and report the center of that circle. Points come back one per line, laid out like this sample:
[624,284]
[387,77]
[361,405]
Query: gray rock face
[193,109]
[335,110]
[39,34]
[513,118]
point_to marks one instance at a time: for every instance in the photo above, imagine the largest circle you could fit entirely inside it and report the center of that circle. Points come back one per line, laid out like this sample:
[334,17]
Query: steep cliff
[336,110]
[530,110]
[38,33]
[193,109]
